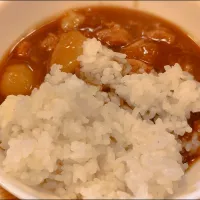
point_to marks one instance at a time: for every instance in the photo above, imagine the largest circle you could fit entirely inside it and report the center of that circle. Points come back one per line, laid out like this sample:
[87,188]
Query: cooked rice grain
[65,138]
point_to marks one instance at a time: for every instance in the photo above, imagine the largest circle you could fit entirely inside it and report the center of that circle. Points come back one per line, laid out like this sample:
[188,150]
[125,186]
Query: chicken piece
[49,43]
[144,50]
[115,36]
[23,49]
[109,24]
[71,21]
[161,35]
[139,66]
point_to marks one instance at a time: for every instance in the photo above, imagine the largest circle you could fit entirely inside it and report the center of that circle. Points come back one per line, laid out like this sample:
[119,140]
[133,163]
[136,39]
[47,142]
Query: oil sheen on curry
[149,42]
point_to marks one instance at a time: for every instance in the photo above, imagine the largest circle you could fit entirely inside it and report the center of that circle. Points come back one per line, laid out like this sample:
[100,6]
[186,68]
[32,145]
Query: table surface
[5,195]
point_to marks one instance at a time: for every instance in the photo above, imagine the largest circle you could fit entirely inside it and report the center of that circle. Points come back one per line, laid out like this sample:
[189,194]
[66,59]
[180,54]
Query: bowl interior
[19,17]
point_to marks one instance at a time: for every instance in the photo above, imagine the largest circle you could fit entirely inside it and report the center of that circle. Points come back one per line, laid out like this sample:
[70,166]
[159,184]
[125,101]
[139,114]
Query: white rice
[65,138]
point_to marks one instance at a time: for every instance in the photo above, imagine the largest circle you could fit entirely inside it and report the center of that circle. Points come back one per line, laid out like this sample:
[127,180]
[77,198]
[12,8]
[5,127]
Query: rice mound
[71,138]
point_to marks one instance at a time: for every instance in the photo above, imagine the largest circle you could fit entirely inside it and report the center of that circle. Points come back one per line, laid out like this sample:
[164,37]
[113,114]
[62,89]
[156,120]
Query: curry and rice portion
[102,102]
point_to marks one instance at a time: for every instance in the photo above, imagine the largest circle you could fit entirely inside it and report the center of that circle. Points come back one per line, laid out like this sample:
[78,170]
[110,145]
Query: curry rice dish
[102,102]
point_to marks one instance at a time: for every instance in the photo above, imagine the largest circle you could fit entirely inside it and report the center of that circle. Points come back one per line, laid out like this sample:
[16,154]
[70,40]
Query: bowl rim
[16,191]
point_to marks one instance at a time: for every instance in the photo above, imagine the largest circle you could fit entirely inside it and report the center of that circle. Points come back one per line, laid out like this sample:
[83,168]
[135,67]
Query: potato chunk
[67,50]
[23,49]
[17,79]
[115,36]
[50,41]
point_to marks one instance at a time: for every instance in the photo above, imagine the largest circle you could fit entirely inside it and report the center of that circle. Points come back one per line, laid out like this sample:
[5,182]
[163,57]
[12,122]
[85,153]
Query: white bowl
[17,17]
